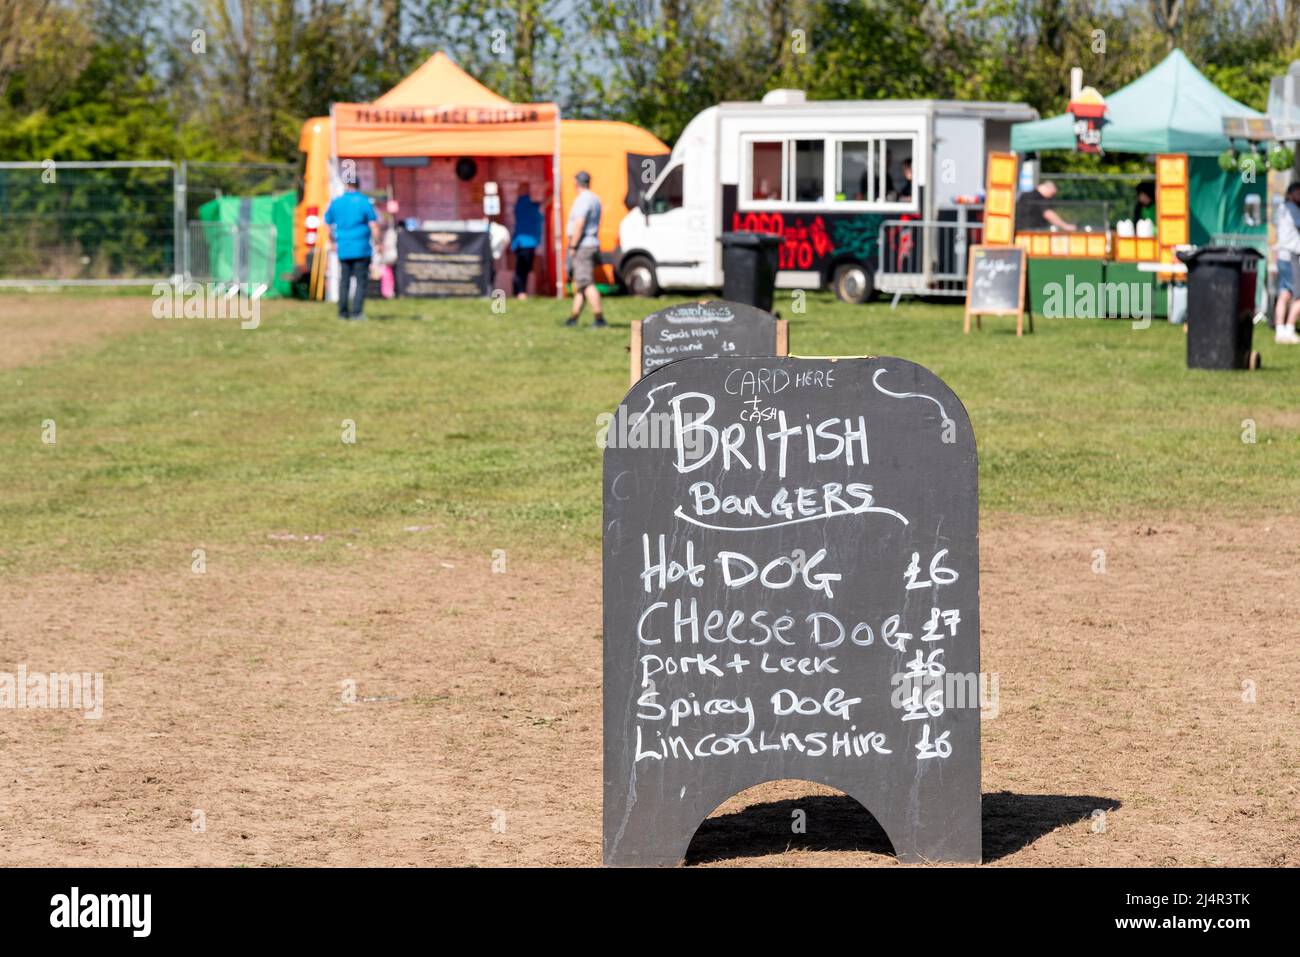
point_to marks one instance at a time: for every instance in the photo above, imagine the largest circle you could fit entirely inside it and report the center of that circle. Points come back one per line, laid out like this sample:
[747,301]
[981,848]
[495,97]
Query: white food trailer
[833,178]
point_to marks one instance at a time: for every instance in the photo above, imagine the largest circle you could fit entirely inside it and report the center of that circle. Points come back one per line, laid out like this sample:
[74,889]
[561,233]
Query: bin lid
[751,239]
[1219,254]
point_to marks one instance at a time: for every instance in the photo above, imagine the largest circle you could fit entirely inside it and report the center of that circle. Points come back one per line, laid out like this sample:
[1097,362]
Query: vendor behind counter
[1036,212]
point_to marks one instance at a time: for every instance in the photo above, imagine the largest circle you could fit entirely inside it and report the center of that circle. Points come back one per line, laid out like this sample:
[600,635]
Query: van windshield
[668,195]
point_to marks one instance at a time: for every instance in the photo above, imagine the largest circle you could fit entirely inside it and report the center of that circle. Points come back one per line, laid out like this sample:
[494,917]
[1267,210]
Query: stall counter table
[1132,273]
[1047,270]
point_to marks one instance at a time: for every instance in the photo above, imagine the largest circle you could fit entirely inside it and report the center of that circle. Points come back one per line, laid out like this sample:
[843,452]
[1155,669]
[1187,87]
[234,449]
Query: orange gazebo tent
[411,139]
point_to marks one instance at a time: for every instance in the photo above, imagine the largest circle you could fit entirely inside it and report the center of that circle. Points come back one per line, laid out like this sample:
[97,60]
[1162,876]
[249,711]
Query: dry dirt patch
[1122,735]
[39,326]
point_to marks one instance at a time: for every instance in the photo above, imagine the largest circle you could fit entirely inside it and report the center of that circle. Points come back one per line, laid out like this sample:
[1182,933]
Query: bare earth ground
[1122,736]
[39,326]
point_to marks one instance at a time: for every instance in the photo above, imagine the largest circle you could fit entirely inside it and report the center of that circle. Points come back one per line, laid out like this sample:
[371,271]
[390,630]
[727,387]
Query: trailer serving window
[809,171]
[765,167]
[859,171]
[875,170]
[856,170]
[788,172]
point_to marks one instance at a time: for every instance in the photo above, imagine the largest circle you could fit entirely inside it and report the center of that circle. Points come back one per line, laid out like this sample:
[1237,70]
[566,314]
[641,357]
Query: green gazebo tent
[1172,108]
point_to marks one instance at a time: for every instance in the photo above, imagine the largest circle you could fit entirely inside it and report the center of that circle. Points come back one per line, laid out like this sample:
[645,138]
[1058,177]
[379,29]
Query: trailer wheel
[853,283]
[639,276]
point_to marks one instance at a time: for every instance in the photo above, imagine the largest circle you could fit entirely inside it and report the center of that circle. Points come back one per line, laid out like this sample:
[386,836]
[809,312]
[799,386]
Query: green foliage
[235,79]
[874,50]
[667,61]
[100,105]
[518,49]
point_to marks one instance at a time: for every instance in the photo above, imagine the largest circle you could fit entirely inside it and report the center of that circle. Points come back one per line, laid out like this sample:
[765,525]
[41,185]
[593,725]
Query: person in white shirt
[1288,245]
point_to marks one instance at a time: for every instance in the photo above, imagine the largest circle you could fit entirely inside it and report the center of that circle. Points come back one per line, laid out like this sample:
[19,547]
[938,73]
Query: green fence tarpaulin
[244,255]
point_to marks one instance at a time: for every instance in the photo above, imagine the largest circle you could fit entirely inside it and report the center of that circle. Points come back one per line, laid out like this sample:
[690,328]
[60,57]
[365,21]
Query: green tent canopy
[1172,108]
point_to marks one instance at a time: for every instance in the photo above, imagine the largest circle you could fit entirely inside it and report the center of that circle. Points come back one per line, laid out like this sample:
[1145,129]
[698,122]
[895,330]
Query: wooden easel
[977,312]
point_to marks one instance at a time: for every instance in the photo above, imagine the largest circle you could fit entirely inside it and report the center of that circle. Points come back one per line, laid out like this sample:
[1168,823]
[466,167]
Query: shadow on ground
[839,823]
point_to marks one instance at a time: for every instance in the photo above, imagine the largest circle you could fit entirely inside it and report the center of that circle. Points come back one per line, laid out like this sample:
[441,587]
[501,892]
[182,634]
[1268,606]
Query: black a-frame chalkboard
[791,590]
[995,284]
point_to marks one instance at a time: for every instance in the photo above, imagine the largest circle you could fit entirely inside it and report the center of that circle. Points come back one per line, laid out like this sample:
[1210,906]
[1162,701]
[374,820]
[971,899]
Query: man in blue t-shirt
[353,222]
[527,238]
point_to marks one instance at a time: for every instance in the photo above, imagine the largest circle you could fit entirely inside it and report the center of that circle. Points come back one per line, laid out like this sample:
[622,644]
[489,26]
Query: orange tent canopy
[439,80]
[440,110]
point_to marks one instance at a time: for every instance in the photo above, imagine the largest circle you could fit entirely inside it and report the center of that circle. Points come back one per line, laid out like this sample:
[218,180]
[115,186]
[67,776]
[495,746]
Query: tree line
[234,79]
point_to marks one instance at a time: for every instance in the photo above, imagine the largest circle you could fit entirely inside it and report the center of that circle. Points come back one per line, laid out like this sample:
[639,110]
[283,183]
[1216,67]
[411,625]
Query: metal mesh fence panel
[77,222]
[115,222]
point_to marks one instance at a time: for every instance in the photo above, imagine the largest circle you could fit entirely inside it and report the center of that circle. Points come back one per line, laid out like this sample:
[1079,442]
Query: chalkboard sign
[440,263]
[713,327]
[995,284]
[791,590]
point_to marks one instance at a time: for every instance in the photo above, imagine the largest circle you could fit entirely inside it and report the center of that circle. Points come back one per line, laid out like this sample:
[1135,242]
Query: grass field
[175,434]
[367,566]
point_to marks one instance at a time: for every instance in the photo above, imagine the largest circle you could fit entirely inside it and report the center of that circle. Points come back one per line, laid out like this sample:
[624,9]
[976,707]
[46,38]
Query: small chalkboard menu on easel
[995,285]
[704,329]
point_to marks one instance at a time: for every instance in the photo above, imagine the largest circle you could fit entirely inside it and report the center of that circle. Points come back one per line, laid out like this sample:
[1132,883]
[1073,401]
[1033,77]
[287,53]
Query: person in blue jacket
[528,236]
[353,224]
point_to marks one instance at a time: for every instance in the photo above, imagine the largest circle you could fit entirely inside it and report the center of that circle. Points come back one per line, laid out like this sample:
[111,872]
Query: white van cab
[824,175]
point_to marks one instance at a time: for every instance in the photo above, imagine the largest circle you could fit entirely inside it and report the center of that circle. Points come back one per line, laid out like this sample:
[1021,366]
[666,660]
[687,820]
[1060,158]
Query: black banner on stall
[443,263]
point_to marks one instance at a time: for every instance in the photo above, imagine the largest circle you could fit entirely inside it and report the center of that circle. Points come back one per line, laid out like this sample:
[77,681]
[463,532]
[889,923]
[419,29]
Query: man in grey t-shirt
[584,250]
